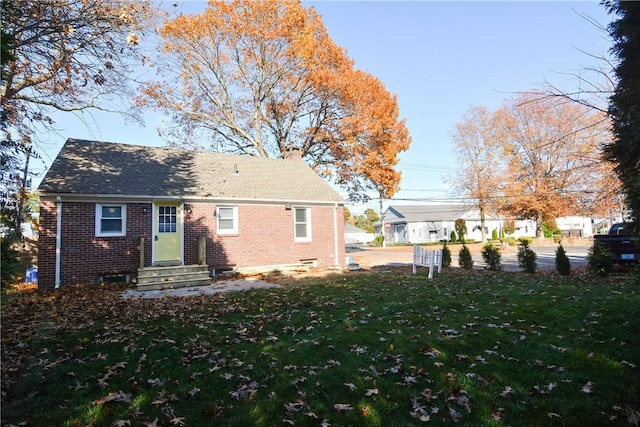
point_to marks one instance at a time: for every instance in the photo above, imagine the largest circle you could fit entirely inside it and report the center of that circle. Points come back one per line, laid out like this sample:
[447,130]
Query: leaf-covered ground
[374,348]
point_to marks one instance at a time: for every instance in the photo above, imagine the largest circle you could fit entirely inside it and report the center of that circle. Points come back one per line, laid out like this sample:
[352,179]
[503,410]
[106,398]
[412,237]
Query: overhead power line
[425,167]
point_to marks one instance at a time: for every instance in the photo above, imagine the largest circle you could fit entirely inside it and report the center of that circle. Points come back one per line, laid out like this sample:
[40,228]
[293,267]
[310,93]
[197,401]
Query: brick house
[110,209]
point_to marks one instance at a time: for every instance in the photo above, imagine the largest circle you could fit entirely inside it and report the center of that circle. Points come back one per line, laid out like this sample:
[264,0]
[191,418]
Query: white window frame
[307,238]
[235,229]
[123,210]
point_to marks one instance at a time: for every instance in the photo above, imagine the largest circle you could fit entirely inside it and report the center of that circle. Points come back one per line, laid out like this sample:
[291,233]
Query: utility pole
[383,231]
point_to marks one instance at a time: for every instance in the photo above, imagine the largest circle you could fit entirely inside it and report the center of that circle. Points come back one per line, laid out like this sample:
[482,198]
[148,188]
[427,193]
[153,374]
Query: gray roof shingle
[104,168]
[426,213]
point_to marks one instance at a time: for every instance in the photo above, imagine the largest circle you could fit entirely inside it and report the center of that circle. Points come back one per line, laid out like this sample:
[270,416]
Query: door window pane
[167,219]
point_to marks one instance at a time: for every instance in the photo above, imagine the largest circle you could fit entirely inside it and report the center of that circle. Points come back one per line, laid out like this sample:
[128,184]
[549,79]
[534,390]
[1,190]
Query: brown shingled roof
[104,168]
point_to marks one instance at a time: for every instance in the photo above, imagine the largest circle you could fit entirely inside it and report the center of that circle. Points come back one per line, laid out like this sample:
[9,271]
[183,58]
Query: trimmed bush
[563,265]
[494,234]
[511,241]
[377,241]
[453,236]
[446,256]
[527,257]
[464,258]
[491,255]
[599,260]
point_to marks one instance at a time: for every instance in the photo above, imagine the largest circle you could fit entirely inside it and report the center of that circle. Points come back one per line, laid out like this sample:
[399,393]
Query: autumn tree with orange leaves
[537,158]
[61,55]
[478,145]
[553,154]
[264,78]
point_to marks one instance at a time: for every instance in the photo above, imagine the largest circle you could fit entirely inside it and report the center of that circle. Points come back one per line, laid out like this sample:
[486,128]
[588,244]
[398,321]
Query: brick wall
[84,257]
[47,245]
[265,237]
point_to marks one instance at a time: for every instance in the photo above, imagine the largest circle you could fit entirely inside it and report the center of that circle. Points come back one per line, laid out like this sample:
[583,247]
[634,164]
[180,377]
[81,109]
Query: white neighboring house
[433,223]
[575,226]
[353,235]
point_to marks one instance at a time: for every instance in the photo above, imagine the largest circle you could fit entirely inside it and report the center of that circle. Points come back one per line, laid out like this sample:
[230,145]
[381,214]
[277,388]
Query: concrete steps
[150,278]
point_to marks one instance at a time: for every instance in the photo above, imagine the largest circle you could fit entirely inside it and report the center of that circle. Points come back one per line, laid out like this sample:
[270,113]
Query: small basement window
[114,278]
[223,270]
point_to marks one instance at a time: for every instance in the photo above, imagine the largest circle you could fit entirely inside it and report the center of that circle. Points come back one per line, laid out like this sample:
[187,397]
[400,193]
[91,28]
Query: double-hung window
[227,219]
[111,219]
[302,224]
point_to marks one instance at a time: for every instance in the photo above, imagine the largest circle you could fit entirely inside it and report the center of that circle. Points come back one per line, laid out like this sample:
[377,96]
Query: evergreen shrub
[491,255]
[446,256]
[563,265]
[527,257]
[599,260]
[464,258]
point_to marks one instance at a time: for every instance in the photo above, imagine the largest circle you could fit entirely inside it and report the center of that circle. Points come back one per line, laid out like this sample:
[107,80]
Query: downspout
[58,239]
[335,235]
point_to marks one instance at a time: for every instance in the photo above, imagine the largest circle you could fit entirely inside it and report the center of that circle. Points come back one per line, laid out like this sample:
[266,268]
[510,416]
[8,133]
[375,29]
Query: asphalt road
[400,256]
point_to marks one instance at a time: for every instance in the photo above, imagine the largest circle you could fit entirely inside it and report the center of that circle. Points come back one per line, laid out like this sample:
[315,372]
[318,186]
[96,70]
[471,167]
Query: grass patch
[379,349]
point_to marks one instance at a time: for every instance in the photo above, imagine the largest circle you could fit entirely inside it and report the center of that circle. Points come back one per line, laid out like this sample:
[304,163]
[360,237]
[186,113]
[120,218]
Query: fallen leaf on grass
[155,382]
[119,365]
[371,392]
[177,421]
[587,388]
[79,386]
[508,391]
[246,391]
[153,423]
[293,407]
[454,415]
[350,386]
[117,396]
[341,407]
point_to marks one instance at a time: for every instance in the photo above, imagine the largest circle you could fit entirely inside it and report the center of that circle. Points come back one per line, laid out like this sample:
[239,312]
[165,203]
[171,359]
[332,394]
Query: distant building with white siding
[356,235]
[433,223]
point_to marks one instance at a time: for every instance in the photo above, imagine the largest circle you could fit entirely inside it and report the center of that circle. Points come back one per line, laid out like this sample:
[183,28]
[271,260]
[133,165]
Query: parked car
[623,247]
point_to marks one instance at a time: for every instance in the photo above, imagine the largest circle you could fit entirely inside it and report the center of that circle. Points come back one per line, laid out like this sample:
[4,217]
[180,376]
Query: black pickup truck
[623,248]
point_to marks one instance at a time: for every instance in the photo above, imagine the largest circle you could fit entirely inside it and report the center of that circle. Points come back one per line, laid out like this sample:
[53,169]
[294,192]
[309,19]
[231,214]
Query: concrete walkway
[213,288]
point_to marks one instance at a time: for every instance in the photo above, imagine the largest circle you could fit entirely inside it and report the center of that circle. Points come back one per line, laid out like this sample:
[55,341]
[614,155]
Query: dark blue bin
[31,275]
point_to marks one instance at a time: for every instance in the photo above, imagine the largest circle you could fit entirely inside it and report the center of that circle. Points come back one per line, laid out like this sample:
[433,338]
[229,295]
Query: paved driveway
[402,255]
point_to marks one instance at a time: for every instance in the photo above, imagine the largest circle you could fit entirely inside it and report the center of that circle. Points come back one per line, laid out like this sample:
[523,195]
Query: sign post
[387,227]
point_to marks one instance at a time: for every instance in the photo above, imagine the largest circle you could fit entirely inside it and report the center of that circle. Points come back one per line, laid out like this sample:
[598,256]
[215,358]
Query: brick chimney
[293,153]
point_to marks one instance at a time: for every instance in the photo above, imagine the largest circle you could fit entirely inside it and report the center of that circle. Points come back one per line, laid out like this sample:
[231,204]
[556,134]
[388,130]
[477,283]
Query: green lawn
[379,349]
